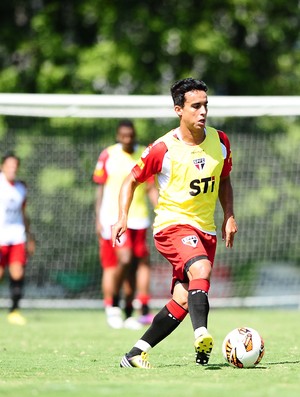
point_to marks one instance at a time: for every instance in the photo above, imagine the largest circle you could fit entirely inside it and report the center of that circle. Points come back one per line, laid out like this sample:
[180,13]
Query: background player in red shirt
[192,165]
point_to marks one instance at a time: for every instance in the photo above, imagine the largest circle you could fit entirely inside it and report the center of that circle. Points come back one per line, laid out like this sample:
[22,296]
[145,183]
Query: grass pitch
[74,353]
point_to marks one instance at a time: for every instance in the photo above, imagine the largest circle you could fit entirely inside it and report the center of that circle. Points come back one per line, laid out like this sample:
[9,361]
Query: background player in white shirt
[16,241]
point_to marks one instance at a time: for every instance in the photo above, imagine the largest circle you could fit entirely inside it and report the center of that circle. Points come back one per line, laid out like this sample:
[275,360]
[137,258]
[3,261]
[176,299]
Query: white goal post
[140,106]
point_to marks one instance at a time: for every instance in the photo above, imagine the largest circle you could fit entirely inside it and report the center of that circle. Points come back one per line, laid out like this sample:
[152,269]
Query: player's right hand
[116,232]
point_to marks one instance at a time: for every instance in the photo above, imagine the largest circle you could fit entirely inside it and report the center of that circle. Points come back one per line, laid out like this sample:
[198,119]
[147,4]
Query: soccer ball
[243,347]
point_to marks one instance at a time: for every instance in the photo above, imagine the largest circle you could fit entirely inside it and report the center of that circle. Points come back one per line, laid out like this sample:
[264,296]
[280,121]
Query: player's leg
[164,323]
[199,269]
[199,275]
[169,317]
[107,285]
[113,313]
[126,277]
[191,254]
[16,284]
[108,262]
[16,259]
[129,289]
[16,273]
[2,263]
[123,251]
[2,268]
[141,256]
[143,290]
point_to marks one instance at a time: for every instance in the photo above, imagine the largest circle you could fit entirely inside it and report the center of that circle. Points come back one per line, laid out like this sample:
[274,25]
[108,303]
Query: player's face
[10,168]
[194,111]
[126,137]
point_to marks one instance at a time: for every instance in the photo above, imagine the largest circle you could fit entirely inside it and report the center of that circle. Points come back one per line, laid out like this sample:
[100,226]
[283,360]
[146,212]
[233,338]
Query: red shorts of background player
[13,253]
[133,239]
[182,245]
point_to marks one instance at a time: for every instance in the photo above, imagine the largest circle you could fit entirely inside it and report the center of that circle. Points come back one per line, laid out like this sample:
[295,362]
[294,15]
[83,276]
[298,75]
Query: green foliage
[2,127]
[74,353]
[53,179]
[239,47]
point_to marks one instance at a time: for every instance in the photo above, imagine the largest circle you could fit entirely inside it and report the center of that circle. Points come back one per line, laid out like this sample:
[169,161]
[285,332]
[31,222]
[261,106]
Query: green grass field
[74,353]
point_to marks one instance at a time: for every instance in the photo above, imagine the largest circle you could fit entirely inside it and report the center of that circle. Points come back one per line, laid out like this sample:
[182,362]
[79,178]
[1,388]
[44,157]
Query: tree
[239,47]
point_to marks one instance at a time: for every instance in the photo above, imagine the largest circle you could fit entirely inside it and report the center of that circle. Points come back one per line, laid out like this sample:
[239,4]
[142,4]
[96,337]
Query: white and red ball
[243,347]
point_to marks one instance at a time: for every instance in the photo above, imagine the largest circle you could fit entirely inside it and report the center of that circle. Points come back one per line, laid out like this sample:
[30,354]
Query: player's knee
[16,272]
[184,304]
[125,260]
[200,269]
[181,297]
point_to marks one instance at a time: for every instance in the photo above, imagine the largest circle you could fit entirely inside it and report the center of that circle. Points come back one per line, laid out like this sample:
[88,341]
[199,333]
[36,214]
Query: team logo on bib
[192,241]
[199,163]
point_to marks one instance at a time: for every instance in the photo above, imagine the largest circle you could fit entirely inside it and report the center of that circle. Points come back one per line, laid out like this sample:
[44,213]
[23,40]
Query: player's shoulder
[157,148]
[168,136]
[163,142]
[21,185]
[221,134]
[225,144]
[152,157]
[112,148]
[22,182]
[107,152]
[223,137]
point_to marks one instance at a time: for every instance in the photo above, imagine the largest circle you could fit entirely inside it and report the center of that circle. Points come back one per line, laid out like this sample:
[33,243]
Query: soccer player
[16,241]
[192,164]
[127,265]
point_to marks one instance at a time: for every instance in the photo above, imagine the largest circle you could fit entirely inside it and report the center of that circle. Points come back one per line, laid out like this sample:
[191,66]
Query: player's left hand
[31,244]
[229,228]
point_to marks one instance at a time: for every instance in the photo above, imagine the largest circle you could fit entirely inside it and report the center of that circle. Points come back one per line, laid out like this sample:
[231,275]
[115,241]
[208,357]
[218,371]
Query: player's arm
[30,245]
[152,192]
[125,198]
[229,227]
[100,176]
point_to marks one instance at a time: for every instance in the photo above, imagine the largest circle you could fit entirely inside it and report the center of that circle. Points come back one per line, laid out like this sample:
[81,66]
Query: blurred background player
[126,267]
[16,241]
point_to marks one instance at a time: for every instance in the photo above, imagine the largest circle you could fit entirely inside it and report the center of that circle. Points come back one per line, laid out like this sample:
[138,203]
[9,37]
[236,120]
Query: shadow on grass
[212,367]
[206,367]
[216,367]
[284,362]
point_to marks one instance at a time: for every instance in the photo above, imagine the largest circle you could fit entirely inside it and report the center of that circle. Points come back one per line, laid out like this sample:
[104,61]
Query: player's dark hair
[181,87]
[8,155]
[126,123]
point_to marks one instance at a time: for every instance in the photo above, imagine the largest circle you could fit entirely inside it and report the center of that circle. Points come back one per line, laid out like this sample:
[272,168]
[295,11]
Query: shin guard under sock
[198,302]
